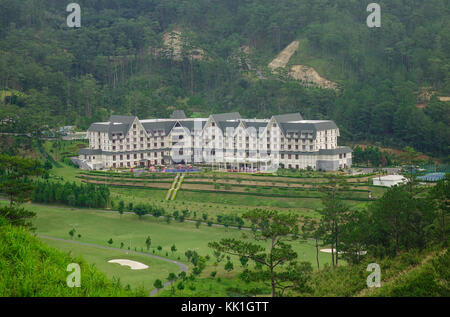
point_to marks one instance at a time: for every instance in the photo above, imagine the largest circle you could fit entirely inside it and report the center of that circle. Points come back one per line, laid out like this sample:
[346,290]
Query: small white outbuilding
[389,180]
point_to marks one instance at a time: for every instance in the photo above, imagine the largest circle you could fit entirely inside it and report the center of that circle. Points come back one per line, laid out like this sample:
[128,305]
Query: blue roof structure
[432,177]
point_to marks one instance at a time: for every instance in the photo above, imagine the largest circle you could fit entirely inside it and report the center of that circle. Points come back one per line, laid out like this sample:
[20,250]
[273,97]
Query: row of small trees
[83,195]
[157,211]
[230,220]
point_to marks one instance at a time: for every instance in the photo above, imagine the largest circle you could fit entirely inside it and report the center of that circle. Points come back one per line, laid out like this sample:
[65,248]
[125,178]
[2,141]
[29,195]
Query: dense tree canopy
[51,74]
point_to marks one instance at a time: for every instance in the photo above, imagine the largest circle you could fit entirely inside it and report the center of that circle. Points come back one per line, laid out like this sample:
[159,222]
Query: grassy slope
[431,278]
[99,226]
[409,274]
[30,268]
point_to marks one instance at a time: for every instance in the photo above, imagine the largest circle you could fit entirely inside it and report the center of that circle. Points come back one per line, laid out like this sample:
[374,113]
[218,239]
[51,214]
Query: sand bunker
[132,264]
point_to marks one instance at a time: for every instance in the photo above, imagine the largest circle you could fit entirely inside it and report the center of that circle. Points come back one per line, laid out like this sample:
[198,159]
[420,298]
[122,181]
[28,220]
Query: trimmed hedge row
[270,187]
[127,174]
[269,195]
[221,184]
[124,180]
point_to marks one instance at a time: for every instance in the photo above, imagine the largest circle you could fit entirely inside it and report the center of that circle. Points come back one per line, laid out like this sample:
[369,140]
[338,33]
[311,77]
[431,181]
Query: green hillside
[29,268]
[390,77]
[410,274]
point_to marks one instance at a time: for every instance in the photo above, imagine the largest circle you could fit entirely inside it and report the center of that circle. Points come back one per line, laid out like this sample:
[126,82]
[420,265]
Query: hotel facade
[224,141]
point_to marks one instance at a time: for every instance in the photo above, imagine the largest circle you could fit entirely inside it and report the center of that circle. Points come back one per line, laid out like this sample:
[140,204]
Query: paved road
[183,267]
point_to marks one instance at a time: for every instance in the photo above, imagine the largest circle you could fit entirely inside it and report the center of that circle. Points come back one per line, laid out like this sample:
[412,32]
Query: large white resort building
[225,141]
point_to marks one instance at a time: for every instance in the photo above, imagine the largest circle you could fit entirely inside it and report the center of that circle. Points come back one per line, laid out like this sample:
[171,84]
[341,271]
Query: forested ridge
[51,74]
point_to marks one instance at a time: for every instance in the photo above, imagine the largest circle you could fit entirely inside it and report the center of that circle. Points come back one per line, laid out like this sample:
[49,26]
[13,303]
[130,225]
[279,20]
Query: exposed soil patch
[175,43]
[310,77]
[306,74]
[284,56]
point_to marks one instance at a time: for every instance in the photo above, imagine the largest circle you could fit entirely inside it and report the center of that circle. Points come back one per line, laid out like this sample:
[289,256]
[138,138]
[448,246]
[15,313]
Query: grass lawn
[210,203]
[249,200]
[137,195]
[157,269]
[97,227]
[66,172]
[215,203]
